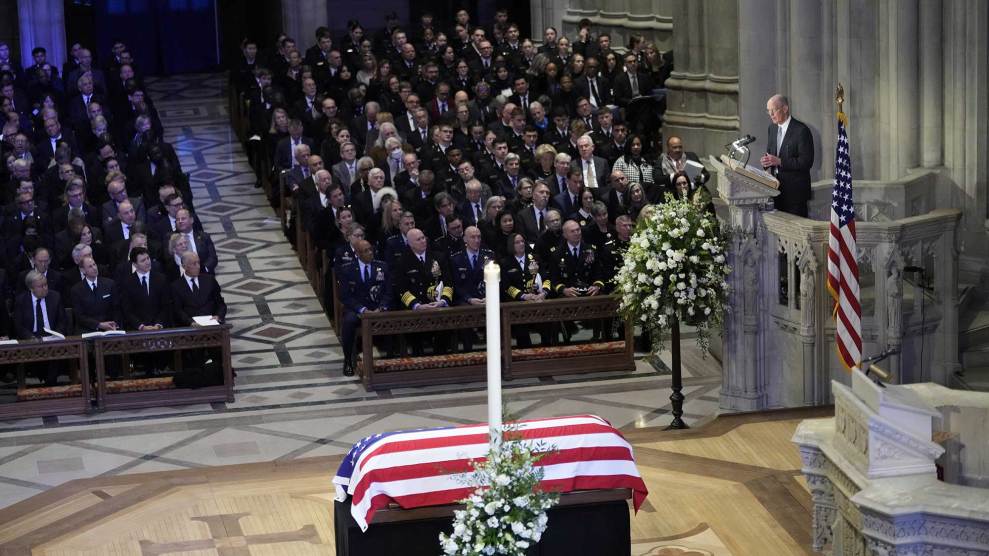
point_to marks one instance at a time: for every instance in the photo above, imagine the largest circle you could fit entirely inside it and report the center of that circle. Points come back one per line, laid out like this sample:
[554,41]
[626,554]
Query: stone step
[976,379]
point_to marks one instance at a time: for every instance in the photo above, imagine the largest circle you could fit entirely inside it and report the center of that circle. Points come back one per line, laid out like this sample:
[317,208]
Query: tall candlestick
[492,332]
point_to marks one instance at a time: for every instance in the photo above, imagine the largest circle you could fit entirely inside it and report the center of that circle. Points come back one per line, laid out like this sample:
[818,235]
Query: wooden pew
[617,355]
[160,391]
[595,356]
[55,400]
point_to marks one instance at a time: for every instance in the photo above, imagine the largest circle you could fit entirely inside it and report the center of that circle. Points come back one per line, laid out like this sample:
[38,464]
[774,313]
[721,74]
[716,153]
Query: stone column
[702,103]
[42,23]
[931,83]
[899,106]
[300,18]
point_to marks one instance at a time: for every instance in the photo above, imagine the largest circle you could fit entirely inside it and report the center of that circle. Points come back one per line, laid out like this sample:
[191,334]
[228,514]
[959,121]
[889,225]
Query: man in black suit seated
[93,301]
[34,311]
[144,295]
[631,84]
[366,287]
[199,242]
[196,294]
[789,156]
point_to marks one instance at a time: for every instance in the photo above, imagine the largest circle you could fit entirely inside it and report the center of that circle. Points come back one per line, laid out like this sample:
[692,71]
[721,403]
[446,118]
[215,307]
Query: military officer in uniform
[365,287]
[576,269]
[522,281]
[467,267]
[421,283]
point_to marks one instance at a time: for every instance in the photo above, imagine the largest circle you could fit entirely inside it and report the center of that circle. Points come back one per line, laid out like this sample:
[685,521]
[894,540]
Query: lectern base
[592,523]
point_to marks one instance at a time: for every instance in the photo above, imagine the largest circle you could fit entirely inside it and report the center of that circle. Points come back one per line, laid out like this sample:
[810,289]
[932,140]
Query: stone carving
[894,296]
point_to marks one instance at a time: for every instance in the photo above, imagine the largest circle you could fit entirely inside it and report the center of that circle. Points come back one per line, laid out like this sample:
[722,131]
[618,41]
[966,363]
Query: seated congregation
[99,232]
[401,163]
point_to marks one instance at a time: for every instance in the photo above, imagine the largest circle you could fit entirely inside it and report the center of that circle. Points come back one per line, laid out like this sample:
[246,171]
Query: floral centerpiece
[675,271]
[506,513]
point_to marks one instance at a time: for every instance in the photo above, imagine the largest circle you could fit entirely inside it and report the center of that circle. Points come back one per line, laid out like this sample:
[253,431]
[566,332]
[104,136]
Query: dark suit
[60,217]
[91,308]
[358,295]
[527,224]
[796,159]
[601,171]
[24,314]
[583,88]
[206,251]
[566,206]
[207,301]
[466,213]
[623,88]
[139,307]
[284,151]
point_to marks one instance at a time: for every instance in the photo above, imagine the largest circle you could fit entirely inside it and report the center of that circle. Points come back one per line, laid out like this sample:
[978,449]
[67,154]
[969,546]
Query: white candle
[493,333]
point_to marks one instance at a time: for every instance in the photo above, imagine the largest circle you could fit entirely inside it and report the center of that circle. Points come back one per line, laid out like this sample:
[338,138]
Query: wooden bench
[597,356]
[161,391]
[580,358]
[422,370]
[69,399]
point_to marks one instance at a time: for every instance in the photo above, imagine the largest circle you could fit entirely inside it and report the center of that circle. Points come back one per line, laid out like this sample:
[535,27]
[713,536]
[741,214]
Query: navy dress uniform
[363,287]
[519,277]
[423,279]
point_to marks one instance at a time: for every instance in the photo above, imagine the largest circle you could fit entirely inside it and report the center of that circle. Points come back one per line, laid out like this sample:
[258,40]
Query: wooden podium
[592,522]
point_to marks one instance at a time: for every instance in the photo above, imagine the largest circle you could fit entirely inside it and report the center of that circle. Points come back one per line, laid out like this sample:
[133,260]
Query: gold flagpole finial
[839,97]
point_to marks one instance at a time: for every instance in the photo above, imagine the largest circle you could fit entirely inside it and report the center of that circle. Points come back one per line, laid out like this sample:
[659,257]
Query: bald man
[789,156]
[365,287]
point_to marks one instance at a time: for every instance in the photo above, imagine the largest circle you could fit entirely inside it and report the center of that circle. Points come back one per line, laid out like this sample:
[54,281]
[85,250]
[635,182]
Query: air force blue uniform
[359,292]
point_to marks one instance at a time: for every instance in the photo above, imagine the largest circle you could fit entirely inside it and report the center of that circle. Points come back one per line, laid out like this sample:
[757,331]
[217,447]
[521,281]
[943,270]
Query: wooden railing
[207,339]
[63,400]
[595,356]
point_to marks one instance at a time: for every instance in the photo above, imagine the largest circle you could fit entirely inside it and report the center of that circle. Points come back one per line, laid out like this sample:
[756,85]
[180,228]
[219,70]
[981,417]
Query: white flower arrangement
[506,513]
[675,269]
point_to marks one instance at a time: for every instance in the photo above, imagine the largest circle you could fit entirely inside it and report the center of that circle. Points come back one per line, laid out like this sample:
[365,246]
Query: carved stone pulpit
[743,385]
[874,482]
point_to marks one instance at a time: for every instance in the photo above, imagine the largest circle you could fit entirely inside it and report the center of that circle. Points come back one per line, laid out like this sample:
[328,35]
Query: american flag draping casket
[426,467]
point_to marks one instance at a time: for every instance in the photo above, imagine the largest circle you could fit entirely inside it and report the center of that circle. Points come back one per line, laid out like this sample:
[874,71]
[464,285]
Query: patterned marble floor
[292,400]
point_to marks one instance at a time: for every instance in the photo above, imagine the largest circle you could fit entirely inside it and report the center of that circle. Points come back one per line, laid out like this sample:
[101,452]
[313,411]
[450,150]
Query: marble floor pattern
[292,400]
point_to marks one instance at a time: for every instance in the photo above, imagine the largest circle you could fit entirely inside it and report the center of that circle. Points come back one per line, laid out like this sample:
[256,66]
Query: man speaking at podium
[789,156]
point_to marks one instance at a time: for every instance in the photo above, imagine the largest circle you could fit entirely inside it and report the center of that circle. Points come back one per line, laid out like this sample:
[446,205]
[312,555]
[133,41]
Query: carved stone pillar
[702,106]
[743,385]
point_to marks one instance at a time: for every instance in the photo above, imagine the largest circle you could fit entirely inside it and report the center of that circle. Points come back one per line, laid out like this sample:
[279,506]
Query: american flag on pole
[429,467]
[843,270]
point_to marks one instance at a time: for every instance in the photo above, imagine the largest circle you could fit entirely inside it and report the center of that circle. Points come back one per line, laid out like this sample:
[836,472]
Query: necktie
[477,212]
[442,108]
[443,225]
[589,172]
[634,80]
[195,286]
[525,101]
[594,92]
[92,288]
[144,285]
[367,273]
[574,252]
[563,184]
[422,259]
[539,220]
[126,231]
[423,133]
[473,262]
[39,317]
[779,140]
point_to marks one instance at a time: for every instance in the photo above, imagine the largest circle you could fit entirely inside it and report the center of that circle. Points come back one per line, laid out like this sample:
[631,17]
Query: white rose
[492,522]
[681,286]
[503,480]
[695,259]
[662,265]
[490,508]
[700,232]
[719,259]
[707,310]
[665,246]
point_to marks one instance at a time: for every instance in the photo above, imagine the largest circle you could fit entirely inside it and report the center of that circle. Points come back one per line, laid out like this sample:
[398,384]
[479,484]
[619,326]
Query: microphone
[742,141]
